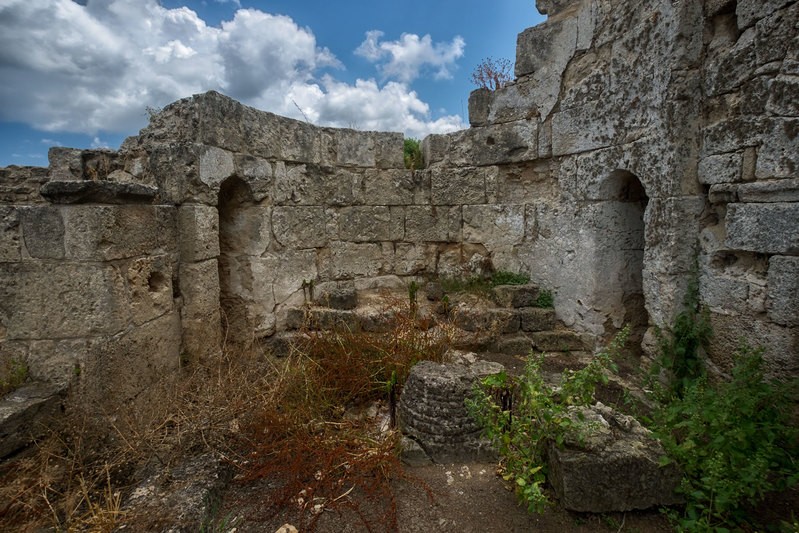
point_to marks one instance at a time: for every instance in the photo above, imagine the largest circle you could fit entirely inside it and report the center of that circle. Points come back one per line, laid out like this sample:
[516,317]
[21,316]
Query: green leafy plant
[523,416]
[483,284]
[13,375]
[680,350]
[545,299]
[503,277]
[733,440]
[412,154]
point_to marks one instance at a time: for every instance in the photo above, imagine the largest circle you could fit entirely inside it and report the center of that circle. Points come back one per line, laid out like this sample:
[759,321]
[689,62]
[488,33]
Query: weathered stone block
[198,232]
[65,163]
[115,232]
[534,319]
[733,134]
[722,168]
[581,129]
[312,185]
[515,296]
[479,104]
[102,192]
[557,341]
[355,148]
[388,187]
[723,193]
[778,156]
[487,320]
[412,259]
[248,229]
[333,320]
[750,11]
[767,228]
[282,274]
[432,410]
[353,260]
[546,46]
[783,290]
[150,284]
[367,224]
[216,165]
[723,293]
[257,173]
[43,231]
[64,300]
[56,361]
[342,298]
[199,287]
[300,227]
[496,226]
[784,190]
[433,224]
[28,414]
[609,463]
[456,187]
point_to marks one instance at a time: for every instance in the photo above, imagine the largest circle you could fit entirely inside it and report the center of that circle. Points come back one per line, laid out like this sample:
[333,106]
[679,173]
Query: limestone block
[431,224]
[496,226]
[321,319]
[456,187]
[783,290]
[257,173]
[670,242]
[721,168]
[479,105]
[749,11]
[367,224]
[199,287]
[766,228]
[62,300]
[389,150]
[784,190]
[435,148]
[355,148]
[103,233]
[22,184]
[784,96]
[150,284]
[340,297]
[778,156]
[776,35]
[311,185]
[432,412]
[123,368]
[28,414]
[733,134]
[729,69]
[557,341]
[497,144]
[780,343]
[102,192]
[56,361]
[216,165]
[524,184]
[354,260]
[300,227]
[610,462]
[723,294]
[65,163]
[388,187]
[580,129]
[515,296]
[198,232]
[534,319]
[486,320]
[543,52]
[42,231]
[301,142]
[412,259]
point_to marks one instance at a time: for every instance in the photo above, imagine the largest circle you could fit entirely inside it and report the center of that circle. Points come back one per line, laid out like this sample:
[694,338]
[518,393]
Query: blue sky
[83,74]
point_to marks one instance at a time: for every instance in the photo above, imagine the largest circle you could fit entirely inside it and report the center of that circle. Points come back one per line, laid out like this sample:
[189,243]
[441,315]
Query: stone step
[26,414]
[515,296]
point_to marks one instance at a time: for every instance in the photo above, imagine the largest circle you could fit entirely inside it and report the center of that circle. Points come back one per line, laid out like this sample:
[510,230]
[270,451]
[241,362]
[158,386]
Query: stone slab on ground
[610,463]
[26,414]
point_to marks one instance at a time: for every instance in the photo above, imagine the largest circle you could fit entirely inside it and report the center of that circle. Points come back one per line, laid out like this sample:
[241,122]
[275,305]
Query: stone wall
[642,145]
[646,144]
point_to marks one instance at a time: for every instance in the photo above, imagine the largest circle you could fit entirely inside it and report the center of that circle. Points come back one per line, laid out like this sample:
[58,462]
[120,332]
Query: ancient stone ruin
[643,145]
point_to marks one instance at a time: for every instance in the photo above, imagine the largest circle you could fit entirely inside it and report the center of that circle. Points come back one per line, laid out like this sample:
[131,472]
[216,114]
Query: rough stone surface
[769,228]
[27,414]
[610,464]
[432,411]
[783,290]
[97,192]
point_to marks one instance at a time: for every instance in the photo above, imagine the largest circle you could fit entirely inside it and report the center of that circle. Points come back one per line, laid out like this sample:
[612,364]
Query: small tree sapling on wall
[493,74]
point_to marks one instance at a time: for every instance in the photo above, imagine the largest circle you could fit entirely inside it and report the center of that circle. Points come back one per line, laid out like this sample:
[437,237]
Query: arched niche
[619,241]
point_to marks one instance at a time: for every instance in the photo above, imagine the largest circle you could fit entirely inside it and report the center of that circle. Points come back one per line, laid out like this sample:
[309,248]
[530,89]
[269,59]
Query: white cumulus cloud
[98,64]
[406,58]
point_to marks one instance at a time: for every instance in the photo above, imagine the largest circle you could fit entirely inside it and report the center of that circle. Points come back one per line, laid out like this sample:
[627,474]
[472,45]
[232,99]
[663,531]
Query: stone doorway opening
[620,252]
[235,274]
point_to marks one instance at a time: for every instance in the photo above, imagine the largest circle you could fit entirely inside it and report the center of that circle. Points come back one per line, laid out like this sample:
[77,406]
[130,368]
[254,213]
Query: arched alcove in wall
[235,274]
[619,246]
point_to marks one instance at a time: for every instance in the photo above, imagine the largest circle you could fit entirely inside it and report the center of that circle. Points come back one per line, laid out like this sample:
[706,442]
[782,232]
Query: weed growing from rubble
[482,284]
[523,416]
[13,374]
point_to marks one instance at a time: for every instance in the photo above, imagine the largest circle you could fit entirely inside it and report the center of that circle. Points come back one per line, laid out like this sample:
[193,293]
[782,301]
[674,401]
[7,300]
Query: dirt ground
[466,498]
